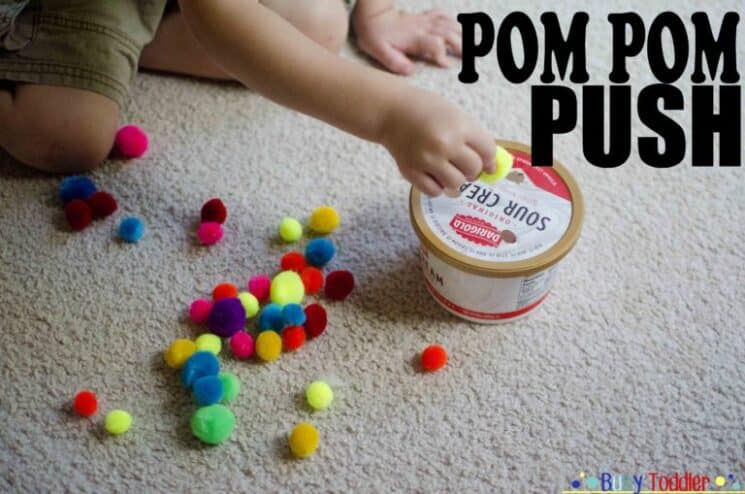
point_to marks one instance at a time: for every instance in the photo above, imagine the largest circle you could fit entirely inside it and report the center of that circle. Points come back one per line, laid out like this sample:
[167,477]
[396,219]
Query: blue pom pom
[270,318]
[319,252]
[200,364]
[293,315]
[207,390]
[76,187]
[131,229]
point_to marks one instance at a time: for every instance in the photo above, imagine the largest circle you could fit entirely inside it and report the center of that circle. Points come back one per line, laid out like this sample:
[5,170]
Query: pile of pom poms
[85,404]
[212,217]
[84,202]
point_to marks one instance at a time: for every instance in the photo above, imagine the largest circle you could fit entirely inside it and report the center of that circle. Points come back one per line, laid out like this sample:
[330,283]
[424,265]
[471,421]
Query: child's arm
[435,144]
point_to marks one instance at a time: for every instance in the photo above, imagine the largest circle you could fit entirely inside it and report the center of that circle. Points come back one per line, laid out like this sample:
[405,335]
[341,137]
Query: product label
[515,219]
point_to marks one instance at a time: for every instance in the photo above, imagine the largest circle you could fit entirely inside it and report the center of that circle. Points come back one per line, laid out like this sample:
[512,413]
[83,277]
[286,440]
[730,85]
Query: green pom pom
[503,163]
[231,386]
[118,422]
[213,424]
[319,395]
[209,342]
[287,288]
[250,303]
[290,230]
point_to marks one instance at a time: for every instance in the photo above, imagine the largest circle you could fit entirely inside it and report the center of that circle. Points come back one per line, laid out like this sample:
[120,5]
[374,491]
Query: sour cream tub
[491,254]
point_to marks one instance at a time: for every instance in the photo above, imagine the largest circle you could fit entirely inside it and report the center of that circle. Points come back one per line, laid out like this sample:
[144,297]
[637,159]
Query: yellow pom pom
[268,346]
[319,395]
[179,352]
[250,303]
[287,288]
[290,230]
[503,162]
[118,422]
[304,440]
[209,342]
[324,220]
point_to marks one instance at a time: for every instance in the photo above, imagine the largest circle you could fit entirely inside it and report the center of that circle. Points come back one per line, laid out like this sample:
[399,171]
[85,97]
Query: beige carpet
[634,363]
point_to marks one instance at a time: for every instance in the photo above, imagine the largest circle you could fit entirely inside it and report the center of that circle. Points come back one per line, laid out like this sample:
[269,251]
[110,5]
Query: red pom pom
[312,279]
[434,357]
[339,284]
[293,338]
[85,403]
[315,320]
[214,210]
[78,214]
[224,290]
[102,204]
[292,261]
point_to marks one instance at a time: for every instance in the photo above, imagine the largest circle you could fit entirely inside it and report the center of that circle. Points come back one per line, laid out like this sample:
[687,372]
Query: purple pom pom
[227,317]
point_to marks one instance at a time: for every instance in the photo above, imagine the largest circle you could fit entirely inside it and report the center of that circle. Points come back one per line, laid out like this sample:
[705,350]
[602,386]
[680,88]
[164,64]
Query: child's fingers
[468,162]
[485,147]
[432,48]
[438,14]
[425,183]
[393,59]
[448,176]
[451,35]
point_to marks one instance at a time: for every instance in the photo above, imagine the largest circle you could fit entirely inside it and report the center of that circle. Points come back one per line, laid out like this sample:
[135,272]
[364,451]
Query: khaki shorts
[87,44]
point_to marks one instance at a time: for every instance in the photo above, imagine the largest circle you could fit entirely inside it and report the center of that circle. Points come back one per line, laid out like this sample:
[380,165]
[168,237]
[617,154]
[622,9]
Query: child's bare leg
[175,49]
[57,129]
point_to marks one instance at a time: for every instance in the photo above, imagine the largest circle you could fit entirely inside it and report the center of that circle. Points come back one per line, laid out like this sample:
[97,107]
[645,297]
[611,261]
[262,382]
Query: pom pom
[179,352]
[131,230]
[214,211]
[227,317]
[85,403]
[434,357]
[207,390]
[102,204]
[231,386]
[250,304]
[312,279]
[118,422]
[224,290]
[199,311]
[304,440]
[76,187]
[339,284]
[319,252]
[209,233]
[287,288]
[503,164]
[315,320]
[212,424]
[319,395]
[208,342]
[242,345]
[199,365]
[293,338]
[290,230]
[293,315]
[271,317]
[78,214]
[292,261]
[131,141]
[268,346]
[324,220]
[259,286]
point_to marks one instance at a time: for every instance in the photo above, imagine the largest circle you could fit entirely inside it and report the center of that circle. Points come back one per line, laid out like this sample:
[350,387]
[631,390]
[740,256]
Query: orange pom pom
[312,279]
[434,357]
[224,290]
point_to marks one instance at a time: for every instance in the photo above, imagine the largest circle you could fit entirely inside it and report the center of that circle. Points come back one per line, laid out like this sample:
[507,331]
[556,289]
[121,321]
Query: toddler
[65,66]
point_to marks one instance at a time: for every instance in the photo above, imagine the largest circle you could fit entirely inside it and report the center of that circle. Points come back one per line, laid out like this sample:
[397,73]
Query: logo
[476,230]
[654,482]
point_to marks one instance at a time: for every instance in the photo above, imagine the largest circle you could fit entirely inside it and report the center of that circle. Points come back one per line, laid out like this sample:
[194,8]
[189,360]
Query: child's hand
[390,35]
[436,145]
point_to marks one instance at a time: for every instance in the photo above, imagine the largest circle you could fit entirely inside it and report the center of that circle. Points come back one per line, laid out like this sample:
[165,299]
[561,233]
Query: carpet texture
[633,364]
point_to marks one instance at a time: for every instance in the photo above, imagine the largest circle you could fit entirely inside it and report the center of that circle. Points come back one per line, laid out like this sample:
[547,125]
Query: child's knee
[64,135]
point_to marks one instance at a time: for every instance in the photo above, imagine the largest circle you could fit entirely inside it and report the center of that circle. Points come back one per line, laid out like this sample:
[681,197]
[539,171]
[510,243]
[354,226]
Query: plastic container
[491,254]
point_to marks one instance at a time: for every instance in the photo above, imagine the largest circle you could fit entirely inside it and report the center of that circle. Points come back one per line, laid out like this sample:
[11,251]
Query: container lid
[515,227]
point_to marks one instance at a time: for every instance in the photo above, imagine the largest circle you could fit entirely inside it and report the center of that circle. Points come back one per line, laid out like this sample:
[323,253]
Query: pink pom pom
[131,141]
[199,310]
[259,286]
[242,345]
[209,233]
